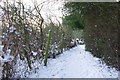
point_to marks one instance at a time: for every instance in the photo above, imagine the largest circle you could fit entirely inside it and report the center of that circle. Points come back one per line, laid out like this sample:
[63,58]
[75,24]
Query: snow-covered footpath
[75,63]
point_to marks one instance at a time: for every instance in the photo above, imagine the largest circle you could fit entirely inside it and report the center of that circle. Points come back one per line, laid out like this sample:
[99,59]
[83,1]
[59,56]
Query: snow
[75,63]
[6,58]
[1,71]
[1,47]
[34,53]
[12,29]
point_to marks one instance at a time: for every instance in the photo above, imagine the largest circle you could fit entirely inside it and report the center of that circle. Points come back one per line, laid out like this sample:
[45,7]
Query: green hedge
[101,33]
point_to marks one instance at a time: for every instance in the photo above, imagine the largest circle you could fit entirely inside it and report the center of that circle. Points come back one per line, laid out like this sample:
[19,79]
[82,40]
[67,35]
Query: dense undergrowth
[27,37]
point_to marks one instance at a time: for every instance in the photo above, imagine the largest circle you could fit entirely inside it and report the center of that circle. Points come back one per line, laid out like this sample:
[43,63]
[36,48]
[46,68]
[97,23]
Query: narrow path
[75,63]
